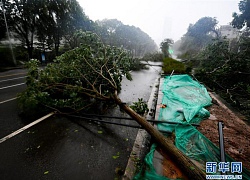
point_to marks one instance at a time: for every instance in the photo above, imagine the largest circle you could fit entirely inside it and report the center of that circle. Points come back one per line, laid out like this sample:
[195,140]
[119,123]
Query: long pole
[8,34]
[221,140]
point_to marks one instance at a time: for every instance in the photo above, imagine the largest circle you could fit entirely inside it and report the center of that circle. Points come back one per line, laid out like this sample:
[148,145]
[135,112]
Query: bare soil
[236,137]
[236,131]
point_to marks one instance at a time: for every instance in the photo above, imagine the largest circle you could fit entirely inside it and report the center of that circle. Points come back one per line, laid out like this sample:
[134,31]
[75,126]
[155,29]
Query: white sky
[160,19]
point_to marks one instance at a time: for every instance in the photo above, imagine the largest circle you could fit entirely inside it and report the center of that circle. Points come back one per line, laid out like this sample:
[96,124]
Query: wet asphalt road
[67,148]
[9,120]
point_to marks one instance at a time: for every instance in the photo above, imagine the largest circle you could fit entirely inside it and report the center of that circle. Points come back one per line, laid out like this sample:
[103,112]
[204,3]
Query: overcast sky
[160,19]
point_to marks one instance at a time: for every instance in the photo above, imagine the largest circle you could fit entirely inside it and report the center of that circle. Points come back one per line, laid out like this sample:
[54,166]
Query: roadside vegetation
[170,64]
[220,63]
[49,28]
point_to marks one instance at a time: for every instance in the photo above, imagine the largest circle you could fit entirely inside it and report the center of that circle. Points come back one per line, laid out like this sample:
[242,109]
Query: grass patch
[170,64]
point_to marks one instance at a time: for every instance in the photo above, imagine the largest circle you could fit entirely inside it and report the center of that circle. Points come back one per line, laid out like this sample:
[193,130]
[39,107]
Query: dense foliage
[227,70]
[224,64]
[165,46]
[220,63]
[50,27]
[243,19]
[198,36]
[79,79]
[115,33]
[140,106]
[48,21]
[156,57]
[170,64]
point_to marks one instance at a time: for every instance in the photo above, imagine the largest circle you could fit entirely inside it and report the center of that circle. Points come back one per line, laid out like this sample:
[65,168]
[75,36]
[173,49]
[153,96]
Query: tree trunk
[188,167]
[30,51]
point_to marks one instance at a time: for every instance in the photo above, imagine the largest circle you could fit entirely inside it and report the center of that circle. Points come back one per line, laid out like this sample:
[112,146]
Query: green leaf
[116,156]
[46,172]
[191,167]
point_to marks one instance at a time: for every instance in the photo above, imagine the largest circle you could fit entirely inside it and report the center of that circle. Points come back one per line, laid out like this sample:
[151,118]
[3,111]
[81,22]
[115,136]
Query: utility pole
[8,34]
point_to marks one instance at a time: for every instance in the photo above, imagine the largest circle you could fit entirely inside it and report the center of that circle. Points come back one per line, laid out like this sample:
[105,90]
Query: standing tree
[22,19]
[165,45]
[60,19]
[85,76]
[243,19]
[199,35]
[115,33]
[48,21]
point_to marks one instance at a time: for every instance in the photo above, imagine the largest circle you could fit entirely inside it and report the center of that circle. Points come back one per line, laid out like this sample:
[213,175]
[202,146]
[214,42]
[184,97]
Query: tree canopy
[91,71]
[199,35]
[49,24]
[242,19]
[48,21]
[165,46]
[115,33]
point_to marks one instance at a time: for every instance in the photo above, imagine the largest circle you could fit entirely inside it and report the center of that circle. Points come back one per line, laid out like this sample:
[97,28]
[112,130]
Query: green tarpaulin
[185,101]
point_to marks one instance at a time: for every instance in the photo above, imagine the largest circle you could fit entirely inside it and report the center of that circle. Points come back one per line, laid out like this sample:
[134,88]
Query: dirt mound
[236,131]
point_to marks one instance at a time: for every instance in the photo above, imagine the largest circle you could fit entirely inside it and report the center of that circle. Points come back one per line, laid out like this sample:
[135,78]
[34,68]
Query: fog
[160,19]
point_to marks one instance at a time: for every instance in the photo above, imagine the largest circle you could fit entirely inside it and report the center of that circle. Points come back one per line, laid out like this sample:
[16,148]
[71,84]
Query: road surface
[66,148]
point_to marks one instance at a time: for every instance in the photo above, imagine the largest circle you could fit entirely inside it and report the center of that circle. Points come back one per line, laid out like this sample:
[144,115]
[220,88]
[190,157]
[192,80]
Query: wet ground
[66,148]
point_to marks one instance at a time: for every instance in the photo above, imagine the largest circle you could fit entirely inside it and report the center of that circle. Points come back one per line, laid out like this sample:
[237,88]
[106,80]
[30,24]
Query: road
[11,83]
[66,148]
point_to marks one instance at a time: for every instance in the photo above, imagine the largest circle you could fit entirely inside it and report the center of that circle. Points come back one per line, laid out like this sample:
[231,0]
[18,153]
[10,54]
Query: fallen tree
[86,77]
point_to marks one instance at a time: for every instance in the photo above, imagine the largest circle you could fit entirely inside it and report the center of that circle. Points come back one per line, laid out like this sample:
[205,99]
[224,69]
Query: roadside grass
[170,64]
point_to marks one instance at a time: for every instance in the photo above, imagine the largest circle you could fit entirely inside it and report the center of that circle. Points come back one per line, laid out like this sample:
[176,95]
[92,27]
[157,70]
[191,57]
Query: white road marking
[8,100]
[13,79]
[6,87]
[26,127]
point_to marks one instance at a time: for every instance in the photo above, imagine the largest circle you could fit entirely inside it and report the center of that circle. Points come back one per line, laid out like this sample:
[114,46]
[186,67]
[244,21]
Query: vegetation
[80,78]
[198,36]
[115,33]
[170,64]
[165,46]
[227,71]
[155,57]
[140,106]
[50,25]
[5,54]
[220,63]
[48,21]
[243,19]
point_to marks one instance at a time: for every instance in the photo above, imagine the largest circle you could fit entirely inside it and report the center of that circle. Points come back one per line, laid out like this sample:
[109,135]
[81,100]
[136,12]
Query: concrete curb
[143,138]
[158,158]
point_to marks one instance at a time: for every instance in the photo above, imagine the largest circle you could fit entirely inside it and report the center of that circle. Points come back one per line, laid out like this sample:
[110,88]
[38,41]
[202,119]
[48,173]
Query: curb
[141,144]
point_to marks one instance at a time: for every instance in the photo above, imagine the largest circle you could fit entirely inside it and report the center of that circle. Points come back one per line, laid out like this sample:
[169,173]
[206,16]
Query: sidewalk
[142,141]
[162,162]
